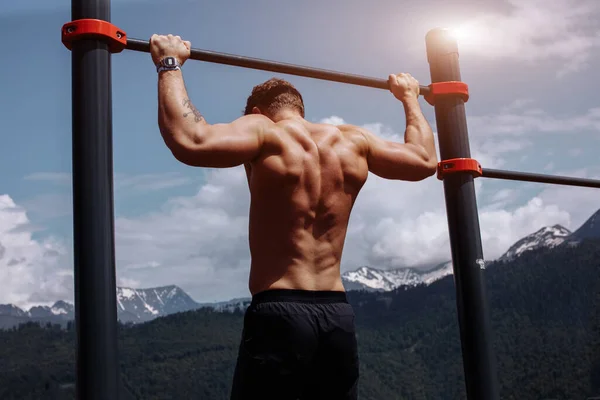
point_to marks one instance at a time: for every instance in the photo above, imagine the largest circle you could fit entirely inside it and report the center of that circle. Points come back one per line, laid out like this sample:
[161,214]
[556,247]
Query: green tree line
[545,312]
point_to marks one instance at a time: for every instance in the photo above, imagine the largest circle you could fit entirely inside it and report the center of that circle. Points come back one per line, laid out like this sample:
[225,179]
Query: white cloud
[580,202]
[497,200]
[501,228]
[31,271]
[533,31]
[45,206]
[503,195]
[333,120]
[198,242]
[519,122]
[49,206]
[498,146]
[395,227]
[518,104]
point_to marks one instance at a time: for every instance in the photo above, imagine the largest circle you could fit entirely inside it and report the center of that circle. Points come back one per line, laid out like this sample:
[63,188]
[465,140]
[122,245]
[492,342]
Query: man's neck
[286,114]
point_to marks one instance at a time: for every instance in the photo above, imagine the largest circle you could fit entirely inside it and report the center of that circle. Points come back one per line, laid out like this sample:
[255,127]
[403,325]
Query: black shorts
[297,345]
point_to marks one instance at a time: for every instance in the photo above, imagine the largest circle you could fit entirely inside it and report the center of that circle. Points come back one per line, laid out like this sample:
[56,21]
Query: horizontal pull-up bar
[473,167]
[274,66]
[539,178]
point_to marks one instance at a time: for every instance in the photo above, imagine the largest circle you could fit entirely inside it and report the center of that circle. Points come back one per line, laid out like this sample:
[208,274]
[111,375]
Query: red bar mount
[452,88]
[459,165]
[94,28]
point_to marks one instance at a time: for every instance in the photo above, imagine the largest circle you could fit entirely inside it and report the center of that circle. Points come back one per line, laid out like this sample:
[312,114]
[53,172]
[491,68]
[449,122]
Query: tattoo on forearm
[193,110]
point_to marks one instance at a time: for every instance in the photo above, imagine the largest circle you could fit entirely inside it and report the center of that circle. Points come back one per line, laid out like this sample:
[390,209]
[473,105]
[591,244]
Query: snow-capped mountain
[133,305]
[139,305]
[59,309]
[60,313]
[373,279]
[63,308]
[549,236]
[13,311]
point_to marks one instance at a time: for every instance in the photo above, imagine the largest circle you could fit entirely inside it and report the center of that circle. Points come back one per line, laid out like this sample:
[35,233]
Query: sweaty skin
[303,177]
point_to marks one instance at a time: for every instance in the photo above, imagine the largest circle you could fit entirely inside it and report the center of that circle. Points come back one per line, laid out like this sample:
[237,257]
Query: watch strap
[168,64]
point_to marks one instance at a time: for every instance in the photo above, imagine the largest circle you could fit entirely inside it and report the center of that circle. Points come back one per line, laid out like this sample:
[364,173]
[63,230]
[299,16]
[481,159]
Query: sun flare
[470,36]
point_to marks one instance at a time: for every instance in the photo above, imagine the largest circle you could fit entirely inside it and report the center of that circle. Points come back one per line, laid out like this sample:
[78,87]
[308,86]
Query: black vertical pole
[93,226]
[463,223]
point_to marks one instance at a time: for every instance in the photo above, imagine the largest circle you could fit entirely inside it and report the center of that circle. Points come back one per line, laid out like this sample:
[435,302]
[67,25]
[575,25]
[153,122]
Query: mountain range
[142,305]
[373,279]
[133,306]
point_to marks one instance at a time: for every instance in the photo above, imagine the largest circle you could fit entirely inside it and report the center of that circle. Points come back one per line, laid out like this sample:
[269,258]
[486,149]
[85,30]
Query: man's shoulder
[355,135]
[353,131]
[255,123]
[348,128]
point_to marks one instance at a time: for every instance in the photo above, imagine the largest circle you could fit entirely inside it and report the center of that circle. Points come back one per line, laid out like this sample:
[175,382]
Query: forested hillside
[545,309]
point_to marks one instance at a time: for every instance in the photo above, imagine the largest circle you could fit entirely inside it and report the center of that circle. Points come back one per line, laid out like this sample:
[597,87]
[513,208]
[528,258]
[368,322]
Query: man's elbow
[185,148]
[425,169]
[423,172]
[427,163]
[182,155]
[431,167]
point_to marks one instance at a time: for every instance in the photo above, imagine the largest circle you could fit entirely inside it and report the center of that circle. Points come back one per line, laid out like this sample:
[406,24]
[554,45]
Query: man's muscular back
[303,187]
[303,177]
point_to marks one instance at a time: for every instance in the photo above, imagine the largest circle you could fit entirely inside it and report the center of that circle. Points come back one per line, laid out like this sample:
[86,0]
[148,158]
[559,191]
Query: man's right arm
[416,158]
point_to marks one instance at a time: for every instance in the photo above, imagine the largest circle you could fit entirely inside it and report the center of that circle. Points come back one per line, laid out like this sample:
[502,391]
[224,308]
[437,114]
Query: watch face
[168,63]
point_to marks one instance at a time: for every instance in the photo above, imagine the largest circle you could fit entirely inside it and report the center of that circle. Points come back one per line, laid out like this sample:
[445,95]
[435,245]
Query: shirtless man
[298,340]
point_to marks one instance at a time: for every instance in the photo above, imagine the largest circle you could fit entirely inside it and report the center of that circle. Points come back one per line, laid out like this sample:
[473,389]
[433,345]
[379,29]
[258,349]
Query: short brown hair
[274,95]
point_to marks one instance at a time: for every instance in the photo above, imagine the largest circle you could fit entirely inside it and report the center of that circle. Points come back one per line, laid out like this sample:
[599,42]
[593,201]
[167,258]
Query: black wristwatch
[168,64]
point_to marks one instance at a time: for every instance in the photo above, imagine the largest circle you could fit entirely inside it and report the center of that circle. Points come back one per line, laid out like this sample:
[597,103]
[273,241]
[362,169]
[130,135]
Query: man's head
[272,97]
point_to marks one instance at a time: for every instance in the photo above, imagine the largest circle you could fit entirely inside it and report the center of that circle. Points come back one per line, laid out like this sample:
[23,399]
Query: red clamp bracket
[452,88]
[94,28]
[459,165]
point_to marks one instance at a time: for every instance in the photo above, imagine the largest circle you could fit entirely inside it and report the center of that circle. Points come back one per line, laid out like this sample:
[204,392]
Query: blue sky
[530,66]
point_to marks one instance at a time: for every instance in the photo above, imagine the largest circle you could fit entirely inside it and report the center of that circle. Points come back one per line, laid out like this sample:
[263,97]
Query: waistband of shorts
[300,296]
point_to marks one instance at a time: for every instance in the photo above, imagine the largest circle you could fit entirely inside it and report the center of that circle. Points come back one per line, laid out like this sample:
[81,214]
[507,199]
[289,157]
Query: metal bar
[98,376]
[463,223]
[540,178]
[274,66]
